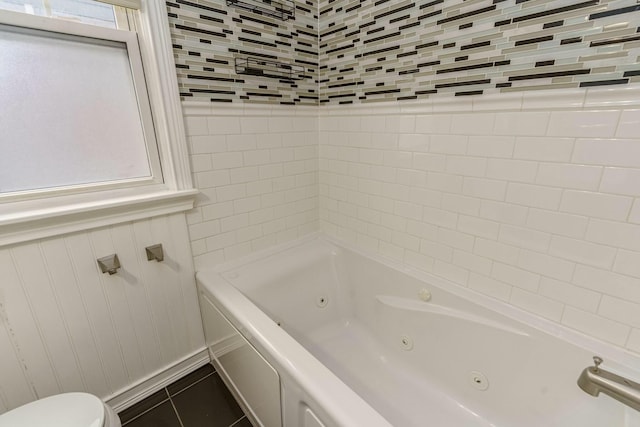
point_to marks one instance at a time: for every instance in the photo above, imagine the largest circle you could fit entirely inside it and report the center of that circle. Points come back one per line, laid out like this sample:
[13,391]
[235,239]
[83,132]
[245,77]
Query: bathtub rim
[616,357]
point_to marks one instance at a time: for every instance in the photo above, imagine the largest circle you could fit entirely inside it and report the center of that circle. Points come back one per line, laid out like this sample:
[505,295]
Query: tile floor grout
[148,410]
[238,420]
[189,386]
[159,409]
[173,405]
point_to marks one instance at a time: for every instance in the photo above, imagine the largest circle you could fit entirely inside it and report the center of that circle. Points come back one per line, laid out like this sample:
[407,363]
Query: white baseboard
[145,388]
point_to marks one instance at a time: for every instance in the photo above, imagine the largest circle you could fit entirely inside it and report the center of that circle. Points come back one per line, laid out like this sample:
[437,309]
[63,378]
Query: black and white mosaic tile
[210,36]
[386,50]
[358,51]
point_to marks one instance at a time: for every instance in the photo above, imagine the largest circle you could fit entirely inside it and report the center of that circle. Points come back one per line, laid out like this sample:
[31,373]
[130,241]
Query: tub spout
[594,380]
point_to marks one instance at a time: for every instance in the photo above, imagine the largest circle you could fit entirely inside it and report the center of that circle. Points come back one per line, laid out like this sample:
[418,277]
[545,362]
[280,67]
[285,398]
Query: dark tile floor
[200,399]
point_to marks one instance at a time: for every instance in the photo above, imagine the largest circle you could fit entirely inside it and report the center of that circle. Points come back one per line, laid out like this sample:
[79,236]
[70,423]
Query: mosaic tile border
[356,51]
[208,37]
[383,50]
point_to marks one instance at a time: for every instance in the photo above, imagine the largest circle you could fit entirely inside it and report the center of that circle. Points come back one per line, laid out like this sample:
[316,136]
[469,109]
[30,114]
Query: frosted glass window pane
[68,112]
[86,11]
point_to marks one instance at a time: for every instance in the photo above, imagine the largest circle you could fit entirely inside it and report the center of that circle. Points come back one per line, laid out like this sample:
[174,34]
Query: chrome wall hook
[155,252]
[109,264]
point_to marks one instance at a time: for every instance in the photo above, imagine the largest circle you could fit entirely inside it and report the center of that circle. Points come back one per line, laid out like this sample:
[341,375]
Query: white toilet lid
[60,410]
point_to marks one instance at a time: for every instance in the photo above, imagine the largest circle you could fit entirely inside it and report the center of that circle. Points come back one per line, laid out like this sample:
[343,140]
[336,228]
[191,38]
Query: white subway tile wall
[257,170]
[537,208]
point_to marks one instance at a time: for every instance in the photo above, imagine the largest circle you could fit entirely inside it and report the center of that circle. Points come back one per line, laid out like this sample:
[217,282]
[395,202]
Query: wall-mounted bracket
[109,264]
[283,9]
[268,68]
[155,252]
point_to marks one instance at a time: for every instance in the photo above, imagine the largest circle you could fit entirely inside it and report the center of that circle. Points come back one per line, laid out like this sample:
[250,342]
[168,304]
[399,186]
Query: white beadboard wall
[257,170]
[533,199]
[65,326]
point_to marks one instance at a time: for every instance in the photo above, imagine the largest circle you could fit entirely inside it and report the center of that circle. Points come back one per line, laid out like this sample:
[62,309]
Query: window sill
[51,220]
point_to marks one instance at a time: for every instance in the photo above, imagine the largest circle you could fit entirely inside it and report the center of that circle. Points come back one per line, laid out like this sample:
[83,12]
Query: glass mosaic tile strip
[209,36]
[484,46]
[350,50]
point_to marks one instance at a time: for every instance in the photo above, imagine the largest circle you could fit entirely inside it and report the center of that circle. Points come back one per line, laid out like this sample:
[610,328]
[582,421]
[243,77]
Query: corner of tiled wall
[257,172]
[538,206]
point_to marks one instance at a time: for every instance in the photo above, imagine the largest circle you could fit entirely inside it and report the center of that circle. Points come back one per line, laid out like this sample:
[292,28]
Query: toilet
[62,410]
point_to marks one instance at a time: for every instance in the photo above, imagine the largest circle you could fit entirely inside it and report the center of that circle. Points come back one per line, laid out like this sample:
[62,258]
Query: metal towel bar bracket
[109,264]
[155,252]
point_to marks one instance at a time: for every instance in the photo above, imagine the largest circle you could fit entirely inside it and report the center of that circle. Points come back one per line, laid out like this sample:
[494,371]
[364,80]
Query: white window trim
[29,24]
[33,218]
[131,4]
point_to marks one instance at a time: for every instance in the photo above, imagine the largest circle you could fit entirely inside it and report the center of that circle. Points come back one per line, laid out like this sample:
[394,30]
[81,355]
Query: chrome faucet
[594,380]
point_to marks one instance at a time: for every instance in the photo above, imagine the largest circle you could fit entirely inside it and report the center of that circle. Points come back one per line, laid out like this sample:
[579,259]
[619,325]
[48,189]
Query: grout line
[148,410]
[175,410]
[190,385]
[238,420]
[170,399]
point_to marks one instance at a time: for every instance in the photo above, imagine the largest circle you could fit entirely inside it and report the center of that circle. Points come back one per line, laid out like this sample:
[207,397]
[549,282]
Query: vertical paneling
[36,283]
[26,337]
[3,406]
[157,296]
[15,387]
[99,314]
[73,308]
[182,260]
[114,289]
[65,326]
[159,231]
[132,283]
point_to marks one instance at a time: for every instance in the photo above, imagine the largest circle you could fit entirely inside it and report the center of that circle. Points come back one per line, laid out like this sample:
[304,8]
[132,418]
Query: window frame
[31,24]
[37,214]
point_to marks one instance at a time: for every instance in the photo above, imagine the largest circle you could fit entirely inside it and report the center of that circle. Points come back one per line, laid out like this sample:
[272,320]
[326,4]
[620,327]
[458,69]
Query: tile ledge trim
[196,108]
[600,98]
[547,100]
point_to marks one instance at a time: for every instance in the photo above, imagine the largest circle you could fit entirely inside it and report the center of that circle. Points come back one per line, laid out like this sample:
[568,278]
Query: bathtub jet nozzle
[594,380]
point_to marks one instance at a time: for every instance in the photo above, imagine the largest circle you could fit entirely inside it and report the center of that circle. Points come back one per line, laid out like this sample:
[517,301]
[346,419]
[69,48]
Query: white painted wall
[65,326]
[256,168]
[532,198]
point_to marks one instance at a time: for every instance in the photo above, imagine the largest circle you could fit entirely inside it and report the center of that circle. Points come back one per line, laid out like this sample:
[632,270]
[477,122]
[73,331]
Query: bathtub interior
[285,285]
[448,360]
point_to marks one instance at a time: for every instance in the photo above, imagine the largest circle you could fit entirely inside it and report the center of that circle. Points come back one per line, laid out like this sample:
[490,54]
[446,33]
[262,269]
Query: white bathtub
[316,334]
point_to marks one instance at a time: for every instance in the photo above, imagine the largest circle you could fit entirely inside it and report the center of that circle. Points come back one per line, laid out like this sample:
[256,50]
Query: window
[78,112]
[85,11]
[80,129]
